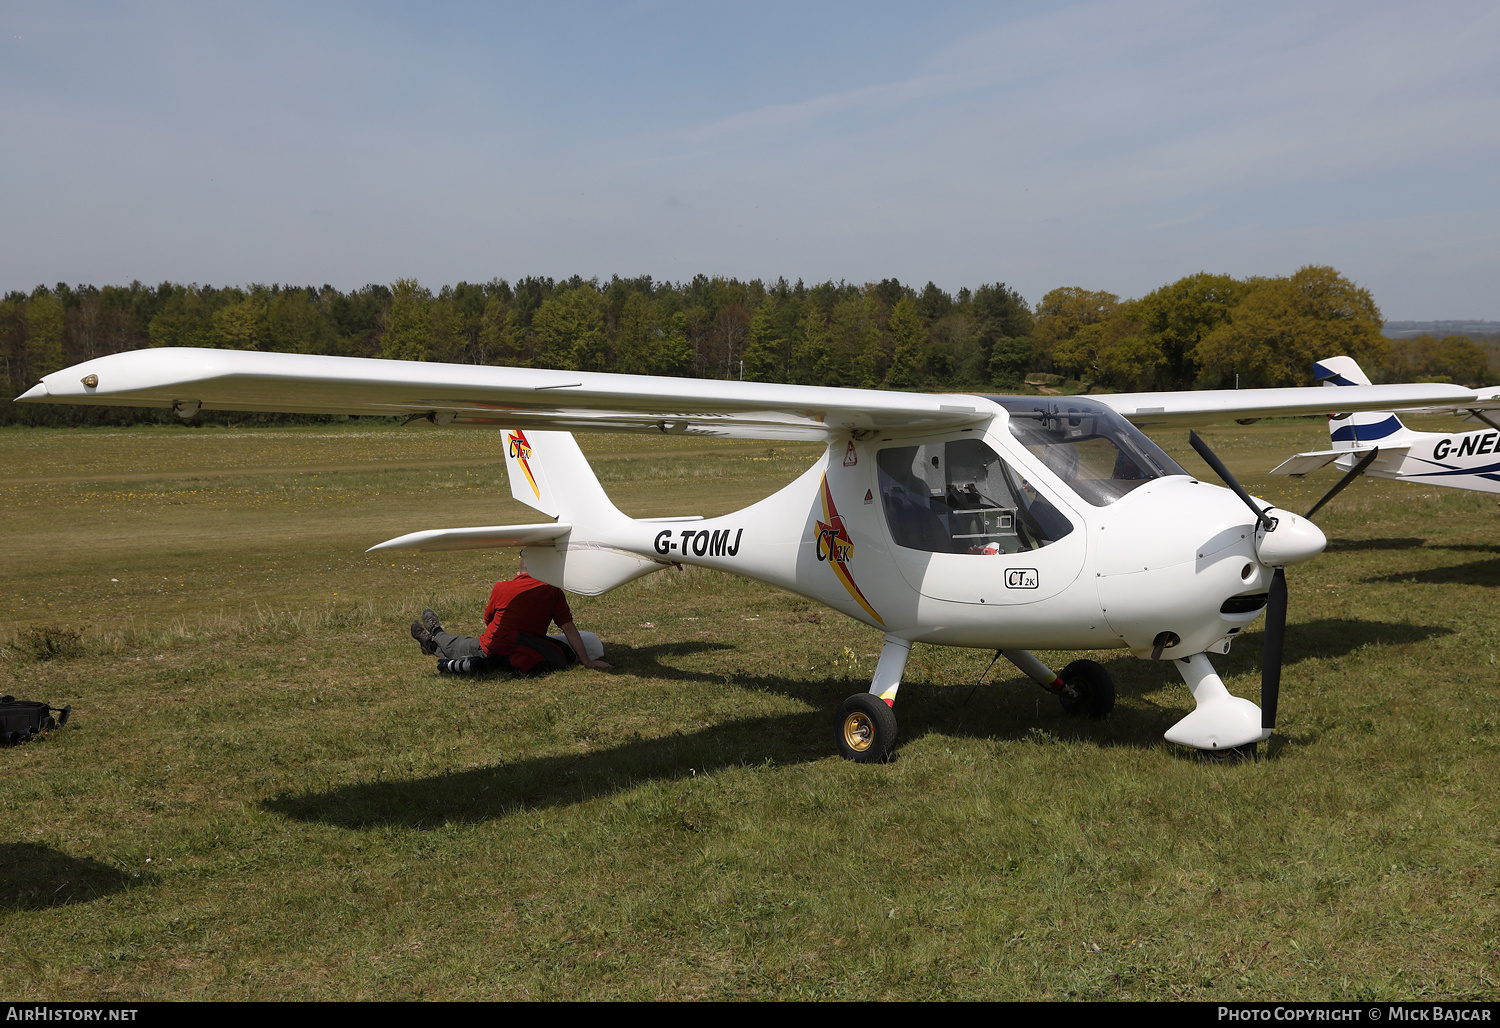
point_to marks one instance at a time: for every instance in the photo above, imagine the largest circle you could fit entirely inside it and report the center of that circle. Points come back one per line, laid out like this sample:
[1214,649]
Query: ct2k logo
[1021,578]
[520,450]
[832,543]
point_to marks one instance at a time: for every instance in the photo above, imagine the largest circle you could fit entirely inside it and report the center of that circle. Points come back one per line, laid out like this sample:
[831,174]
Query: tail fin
[549,472]
[1354,431]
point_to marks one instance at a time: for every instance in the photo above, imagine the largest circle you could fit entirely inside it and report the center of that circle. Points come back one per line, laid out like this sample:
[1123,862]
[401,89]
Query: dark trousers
[555,653]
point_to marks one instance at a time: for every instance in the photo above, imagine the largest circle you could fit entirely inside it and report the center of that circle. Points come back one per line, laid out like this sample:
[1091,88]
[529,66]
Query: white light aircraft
[1376,443]
[1009,523]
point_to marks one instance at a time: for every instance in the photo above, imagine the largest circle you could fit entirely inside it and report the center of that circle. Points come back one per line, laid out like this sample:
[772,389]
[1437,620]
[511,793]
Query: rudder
[548,471]
[1361,430]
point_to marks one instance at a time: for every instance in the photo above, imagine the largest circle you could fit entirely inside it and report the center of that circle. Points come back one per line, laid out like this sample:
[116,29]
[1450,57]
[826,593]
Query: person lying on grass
[515,635]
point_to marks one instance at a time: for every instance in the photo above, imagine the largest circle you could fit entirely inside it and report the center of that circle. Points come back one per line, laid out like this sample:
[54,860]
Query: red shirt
[523,604]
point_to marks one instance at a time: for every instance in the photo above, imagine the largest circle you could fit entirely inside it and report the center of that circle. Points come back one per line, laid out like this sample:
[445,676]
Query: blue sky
[1114,146]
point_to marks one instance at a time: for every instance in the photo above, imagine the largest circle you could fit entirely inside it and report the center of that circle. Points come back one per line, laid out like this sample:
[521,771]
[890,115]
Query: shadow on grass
[1326,637]
[1404,543]
[1017,709]
[1005,708]
[35,877]
[1363,545]
[482,794]
[1478,572]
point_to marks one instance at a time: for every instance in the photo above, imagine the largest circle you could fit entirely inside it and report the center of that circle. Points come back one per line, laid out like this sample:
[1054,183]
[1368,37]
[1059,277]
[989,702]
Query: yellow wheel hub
[859,732]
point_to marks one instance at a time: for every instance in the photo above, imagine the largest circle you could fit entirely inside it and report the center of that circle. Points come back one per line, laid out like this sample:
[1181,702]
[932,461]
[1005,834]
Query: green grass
[265,793]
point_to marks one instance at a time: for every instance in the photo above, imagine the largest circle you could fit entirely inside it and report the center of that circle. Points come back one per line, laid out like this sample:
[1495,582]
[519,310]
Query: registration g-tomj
[1009,523]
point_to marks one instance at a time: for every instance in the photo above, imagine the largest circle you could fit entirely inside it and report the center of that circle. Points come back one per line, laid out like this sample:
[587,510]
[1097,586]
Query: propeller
[1270,662]
[1355,472]
[1212,460]
[1298,544]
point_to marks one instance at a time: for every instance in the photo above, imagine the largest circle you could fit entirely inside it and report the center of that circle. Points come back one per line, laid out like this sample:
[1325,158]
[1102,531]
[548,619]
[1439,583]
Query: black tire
[866,729]
[1245,754]
[1096,690]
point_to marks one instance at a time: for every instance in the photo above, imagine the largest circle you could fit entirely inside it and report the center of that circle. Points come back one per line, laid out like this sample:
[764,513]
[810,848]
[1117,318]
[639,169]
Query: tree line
[1204,330]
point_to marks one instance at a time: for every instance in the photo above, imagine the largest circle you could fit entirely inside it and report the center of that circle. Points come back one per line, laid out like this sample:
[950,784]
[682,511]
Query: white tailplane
[581,551]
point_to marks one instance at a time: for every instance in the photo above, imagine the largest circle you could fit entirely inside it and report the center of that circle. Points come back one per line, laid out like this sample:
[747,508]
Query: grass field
[265,793]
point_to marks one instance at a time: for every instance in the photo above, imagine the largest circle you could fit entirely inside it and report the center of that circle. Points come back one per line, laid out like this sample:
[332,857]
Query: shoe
[423,638]
[431,623]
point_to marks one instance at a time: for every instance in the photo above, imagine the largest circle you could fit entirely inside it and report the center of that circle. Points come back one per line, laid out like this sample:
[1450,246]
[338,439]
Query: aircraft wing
[241,380]
[1207,406]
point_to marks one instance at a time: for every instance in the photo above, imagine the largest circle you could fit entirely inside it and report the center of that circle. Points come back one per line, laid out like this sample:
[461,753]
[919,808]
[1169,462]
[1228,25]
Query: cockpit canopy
[960,496]
[1099,454]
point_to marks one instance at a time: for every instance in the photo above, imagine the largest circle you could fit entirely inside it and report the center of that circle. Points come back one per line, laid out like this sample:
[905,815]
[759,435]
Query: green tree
[569,330]
[1425,358]
[46,328]
[242,325]
[817,359]
[295,322]
[767,354]
[1060,316]
[1126,357]
[672,354]
[934,304]
[1011,357]
[1172,321]
[408,324]
[856,333]
[910,338]
[1461,359]
[185,316]
[1284,324]
[13,344]
[998,312]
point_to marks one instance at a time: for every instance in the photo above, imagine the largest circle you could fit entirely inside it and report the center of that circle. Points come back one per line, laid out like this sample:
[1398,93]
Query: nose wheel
[1094,690]
[867,729]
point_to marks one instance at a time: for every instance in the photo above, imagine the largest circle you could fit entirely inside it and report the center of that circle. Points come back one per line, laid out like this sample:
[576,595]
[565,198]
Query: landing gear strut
[1083,688]
[1220,722]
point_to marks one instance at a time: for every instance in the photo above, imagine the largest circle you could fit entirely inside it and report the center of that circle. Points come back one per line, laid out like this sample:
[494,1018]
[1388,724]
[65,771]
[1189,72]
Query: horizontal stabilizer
[1303,463]
[492,537]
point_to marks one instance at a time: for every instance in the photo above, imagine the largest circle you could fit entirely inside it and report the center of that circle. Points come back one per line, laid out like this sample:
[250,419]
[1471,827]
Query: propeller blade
[1270,665]
[1355,472]
[1212,460]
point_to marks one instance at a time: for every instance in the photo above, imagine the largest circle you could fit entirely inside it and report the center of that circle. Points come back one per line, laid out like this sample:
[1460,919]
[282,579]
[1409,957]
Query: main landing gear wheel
[867,729]
[1096,690]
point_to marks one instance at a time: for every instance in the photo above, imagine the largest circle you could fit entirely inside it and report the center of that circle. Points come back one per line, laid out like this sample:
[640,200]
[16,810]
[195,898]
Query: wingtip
[35,394]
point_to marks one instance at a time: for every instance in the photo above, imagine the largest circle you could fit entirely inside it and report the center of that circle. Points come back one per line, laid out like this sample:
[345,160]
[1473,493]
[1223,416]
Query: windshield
[1087,445]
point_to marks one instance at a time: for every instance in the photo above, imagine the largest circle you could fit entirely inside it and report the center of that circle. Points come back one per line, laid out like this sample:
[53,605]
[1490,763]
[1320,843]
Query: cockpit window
[1087,445]
[961,497]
